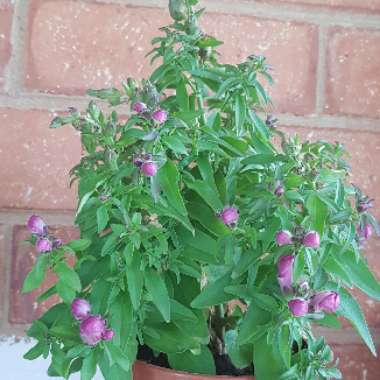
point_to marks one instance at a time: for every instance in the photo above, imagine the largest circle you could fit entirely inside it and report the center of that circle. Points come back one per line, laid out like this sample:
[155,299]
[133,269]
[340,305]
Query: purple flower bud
[364,206]
[365,232]
[283,237]
[80,308]
[108,335]
[298,307]
[160,116]
[57,243]
[279,191]
[229,215]
[44,245]
[36,225]
[285,272]
[92,330]
[312,240]
[149,168]
[139,107]
[326,301]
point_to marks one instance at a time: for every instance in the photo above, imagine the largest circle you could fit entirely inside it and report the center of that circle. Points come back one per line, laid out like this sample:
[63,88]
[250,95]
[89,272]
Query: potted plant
[210,242]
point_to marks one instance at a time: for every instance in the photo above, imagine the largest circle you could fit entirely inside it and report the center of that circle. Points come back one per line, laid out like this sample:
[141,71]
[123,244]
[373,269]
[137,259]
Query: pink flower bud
[285,272]
[312,239]
[81,309]
[139,107]
[298,307]
[44,245]
[283,237]
[92,330]
[279,191]
[328,302]
[229,215]
[160,116]
[108,335]
[149,168]
[365,232]
[364,206]
[36,225]
[57,243]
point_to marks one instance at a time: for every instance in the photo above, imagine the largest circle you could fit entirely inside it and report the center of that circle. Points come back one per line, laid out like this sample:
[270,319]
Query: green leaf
[79,245]
[135,280]
[69,282]
[240,111]
[117,356]
[88,370]
[35,278]
[350,309]
[168,177]
[202,363]
[112,95]
[241,355]
[36,351]
[175,144]
[182,96]
[213,293]
[102,217]
[208,41]
[268,363]
[318,212]
[156,287]
[359,274]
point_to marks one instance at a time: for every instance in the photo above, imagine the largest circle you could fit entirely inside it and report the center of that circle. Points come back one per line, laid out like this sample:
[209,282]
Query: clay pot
[143,371]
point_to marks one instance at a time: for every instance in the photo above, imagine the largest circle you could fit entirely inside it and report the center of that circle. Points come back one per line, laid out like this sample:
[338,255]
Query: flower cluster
[325,301]
[309,239]
[159,115]
[93,328]
[45,242]
[146,164]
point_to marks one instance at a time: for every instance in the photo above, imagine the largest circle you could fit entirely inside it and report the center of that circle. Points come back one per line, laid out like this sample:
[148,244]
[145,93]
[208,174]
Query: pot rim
[169,370]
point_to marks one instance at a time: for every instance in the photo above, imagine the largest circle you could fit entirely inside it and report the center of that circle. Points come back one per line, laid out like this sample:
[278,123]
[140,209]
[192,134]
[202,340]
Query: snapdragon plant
[210,241]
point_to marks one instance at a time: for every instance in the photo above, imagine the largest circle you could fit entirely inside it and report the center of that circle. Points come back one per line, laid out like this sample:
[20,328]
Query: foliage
[158,257]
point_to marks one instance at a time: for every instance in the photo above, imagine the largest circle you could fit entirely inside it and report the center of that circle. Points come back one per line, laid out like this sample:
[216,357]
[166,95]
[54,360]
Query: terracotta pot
[143,371]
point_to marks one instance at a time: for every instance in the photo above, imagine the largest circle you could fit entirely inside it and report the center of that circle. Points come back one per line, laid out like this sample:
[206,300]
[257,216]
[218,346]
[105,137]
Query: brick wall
[326,59]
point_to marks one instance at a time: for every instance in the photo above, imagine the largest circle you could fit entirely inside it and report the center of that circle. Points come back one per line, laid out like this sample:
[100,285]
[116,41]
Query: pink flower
[44,245]
[365,232]
[312,240]
[364,206]
[81,309]
[279,191]
[149,168]
[283,237]
[229,215]
[92,330]
[328,302]
[36,225]
[139,107]
[285,272]
[298,307]
[108,335]
[160,116]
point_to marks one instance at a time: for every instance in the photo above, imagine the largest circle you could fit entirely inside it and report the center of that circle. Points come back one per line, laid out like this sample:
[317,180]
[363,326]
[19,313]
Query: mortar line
[14,72]
[346,336]
[284,12]
[12,217]
[321,70]
[8,241]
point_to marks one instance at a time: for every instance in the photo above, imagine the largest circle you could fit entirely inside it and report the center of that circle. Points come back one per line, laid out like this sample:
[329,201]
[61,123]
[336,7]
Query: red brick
[35,161]
[363,147]
[90,45]
[95,45]
[353,83]
[23,307]
[6,12]
[357,362]
[365,5]
[2,272]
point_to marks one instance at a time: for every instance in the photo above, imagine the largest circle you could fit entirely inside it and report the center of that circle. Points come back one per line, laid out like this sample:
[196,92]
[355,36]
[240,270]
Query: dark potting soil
[223,363]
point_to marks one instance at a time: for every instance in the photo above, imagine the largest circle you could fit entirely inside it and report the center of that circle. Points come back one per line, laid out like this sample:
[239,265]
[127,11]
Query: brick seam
[14,71]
